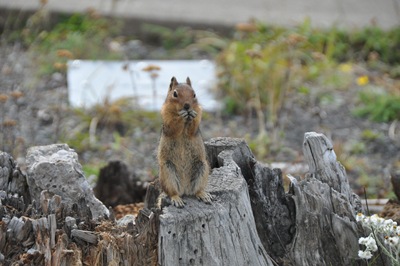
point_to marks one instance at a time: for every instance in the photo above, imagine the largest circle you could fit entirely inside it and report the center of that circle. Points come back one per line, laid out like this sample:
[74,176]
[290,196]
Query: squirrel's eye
[175,94]
[194,95]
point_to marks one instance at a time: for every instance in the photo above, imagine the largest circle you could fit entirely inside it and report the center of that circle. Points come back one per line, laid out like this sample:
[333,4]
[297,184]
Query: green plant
[360,44]
[91,169]
[168,38]
[374,184]
[110,121]
[378,106]
[83,36]
[370,135]
[182,42]
[259,69]
[259,145]
[357,147]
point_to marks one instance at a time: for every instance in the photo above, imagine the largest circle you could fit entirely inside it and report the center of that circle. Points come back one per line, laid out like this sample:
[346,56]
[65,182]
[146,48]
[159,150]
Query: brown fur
[181,154]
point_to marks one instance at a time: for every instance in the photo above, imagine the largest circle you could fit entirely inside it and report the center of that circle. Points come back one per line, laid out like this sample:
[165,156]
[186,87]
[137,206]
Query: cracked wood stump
[223,233]
[313,224]
[326,230]
[252,221]
[56,229]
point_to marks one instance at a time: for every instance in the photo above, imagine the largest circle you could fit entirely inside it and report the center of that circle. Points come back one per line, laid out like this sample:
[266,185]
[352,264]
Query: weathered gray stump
[223,233]
[54,219]
[313,224]
[252,221]
[326,230]
[273,209]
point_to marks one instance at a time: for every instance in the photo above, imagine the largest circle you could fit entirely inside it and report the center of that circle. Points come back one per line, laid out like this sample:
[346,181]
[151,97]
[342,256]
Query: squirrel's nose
[186,106]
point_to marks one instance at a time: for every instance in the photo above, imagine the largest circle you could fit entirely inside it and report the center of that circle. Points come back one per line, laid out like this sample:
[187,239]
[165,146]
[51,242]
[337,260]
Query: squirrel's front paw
[183,113]
[188,115]
[177,201]
[205,196]
[192,113]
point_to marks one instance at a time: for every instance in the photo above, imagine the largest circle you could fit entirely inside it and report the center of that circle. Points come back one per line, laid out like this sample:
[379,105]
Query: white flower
[362,241]
[373,247]
[397,230]
[365,254]
[359,217]
[388,222]
[392,241]
[369,241]
[376,221]
[387,229]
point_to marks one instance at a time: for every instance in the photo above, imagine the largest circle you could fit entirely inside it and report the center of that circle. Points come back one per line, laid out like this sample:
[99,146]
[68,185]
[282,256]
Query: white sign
[93,82]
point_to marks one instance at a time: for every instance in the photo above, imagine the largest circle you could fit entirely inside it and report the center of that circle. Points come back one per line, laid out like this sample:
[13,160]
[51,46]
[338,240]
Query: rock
[55,168]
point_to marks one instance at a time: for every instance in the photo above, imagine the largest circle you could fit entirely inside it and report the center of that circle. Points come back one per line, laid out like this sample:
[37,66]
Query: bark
[251,221]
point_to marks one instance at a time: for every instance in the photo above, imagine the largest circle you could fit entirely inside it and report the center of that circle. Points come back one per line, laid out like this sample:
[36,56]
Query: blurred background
[268,71]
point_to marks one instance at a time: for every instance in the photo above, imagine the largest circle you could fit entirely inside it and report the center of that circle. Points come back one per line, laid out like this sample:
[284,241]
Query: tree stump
[49,229]
[273,209]
[221,233]
[326,229]
[251,221]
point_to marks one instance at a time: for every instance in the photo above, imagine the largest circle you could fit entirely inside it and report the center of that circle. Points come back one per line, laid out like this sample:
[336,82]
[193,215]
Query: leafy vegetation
[262,69]
[182,42]
[83,36]
[113,120]
[258,68]
[167,38]
[378,106]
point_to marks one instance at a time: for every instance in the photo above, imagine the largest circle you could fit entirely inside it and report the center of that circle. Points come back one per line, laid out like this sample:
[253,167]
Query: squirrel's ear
[174,82]
[188,81]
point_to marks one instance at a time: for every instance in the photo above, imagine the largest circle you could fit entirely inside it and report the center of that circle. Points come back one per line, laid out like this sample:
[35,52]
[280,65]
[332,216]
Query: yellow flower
[362,81]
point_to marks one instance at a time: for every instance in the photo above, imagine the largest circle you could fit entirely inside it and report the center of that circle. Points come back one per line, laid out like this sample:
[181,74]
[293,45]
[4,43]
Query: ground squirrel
[181,154]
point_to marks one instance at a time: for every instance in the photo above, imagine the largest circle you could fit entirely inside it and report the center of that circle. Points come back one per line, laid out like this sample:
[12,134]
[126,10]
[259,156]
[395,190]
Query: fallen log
[251,221]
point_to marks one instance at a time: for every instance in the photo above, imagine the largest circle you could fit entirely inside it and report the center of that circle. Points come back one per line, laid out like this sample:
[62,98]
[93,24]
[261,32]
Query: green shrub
[110,120]
[355,45]
[168,38]
[83,36]
[257,70]
[378,106]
